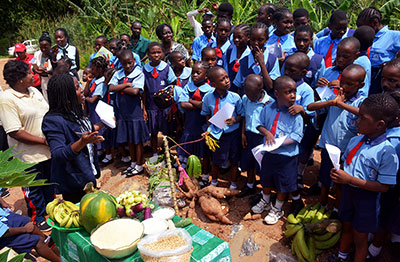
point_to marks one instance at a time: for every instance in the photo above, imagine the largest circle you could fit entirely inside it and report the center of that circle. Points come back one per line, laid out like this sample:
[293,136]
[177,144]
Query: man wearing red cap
[22,55]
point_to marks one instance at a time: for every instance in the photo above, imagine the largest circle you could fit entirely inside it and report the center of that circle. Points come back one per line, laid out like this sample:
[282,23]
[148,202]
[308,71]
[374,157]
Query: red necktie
[108,98]
[174,108]
[219,52]
[353,152]
[236,66]
[216,105]
[279,40]
[154,74]
[368,51]
[178,82]
[336,91]
[275,123]
[112,64]
[197,96]
[92,87]
[209,40]
[328,57]
[125,80]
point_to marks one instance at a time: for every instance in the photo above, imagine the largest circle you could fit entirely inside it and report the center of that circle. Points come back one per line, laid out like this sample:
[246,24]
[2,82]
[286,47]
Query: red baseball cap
[20,47]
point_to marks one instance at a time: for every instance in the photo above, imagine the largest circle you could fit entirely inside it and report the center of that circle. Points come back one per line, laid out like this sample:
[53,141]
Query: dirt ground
[268,238]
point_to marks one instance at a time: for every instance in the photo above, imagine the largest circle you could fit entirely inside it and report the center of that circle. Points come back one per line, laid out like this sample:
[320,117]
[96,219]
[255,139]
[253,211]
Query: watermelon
[96,207]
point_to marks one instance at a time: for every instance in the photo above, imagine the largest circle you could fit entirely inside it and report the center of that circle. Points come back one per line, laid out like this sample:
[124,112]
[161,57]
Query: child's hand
[203,10]
[91,138]
[340,176]
[230,121]
[259,55]
[29,227]
[244,141]
[282,59]
[145,117]
[295,109]
[270,139]
[7,205]
[334,84]
[339,98]
[322,82]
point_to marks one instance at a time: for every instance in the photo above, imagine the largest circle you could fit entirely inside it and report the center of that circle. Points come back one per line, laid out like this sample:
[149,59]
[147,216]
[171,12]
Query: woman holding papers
[71,138]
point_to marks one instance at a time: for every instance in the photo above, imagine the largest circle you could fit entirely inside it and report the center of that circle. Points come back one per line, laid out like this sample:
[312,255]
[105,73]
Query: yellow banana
[69,223]
[328,243]
[323,237]
[297,251]
[291,231]
[65,219]
[71,206]
[75,220]
[292,220]
[50,208]
[301,244]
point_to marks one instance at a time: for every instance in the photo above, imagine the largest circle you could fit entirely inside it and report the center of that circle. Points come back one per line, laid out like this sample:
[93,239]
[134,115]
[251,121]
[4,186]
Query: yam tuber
[213,210]
[218,192]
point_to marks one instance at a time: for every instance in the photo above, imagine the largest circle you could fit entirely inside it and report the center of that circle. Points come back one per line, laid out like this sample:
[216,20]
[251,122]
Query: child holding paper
[279,167]
[228,136]
[128,84]
[340,124]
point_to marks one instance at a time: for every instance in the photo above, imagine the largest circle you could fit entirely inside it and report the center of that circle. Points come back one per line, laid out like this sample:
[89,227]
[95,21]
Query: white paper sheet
[260,149]
[106,113]
[334,155]
[324,92]
[224,113]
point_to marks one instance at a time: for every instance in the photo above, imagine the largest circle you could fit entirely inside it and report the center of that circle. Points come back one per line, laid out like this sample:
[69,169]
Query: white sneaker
[273,216]
[261,206]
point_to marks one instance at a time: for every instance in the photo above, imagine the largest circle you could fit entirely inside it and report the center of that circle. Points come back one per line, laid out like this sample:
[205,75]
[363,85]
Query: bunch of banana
[210,141]
[312,232]
[193,166]
[63,212]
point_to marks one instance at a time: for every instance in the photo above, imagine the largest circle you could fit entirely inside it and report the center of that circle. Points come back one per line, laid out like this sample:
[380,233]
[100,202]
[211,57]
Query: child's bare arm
[319,105]
[352,109]
[259,56]
[244,139]
[12,231]
[342,177]
[196,104]
[132,91]
[92,99]
[187,106]
[270,139]
[322,82]
[4,204]
[120,87]
[232,120]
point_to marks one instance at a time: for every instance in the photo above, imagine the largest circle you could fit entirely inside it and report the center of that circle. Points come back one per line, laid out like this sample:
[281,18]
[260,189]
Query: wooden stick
[170,175]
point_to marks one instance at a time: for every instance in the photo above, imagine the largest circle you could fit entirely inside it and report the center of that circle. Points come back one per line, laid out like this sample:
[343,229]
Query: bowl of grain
[171,245]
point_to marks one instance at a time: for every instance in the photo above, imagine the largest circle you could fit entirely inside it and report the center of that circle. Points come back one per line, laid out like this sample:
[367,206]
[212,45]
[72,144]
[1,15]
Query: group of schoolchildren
[271,76]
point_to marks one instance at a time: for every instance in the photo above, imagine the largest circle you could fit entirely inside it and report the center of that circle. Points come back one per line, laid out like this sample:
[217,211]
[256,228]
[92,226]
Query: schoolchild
[259,61]
[365,35]
[158,75]
[254,100]
[128,83]
[116,46]
[390,80]
[209,55]
[42,62]
[370,167]
[86,74]
[265,15]
[203,40]
[126,39]
[327,45]
[235,53]
[182,73]
[100,41]
[385,47]
[65,49]
[303,37]
[283,20]
[301,17]
[222,43]
[191,103]
[340,124]
[228,137]
[279,167]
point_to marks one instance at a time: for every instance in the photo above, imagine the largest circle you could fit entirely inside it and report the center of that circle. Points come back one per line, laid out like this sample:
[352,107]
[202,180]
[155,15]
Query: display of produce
[96,207]
[164,213]
[193,166]
[210,141]
[117,238]
[130,203]
[154,225]
[65,213]
[312,232]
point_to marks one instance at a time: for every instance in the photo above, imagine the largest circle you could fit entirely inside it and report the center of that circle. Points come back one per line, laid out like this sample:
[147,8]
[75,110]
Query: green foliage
[4,256]
[13,174]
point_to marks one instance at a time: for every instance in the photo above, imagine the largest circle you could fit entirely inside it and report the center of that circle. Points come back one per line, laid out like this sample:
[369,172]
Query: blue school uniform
[129,114]
[195,123]
[315,70]
[71,52]
[279,167]
[20,243]
[332,73]
[326,31]
[157,117]
[220,51]
[287,41]
[251,113]
[199,43]
[184,78]
[97,87]
[375,160]
[321,45]
[364,61]
[339,128]
[230,59]
[228,137]
[249,66]
[271,30]
[304,96]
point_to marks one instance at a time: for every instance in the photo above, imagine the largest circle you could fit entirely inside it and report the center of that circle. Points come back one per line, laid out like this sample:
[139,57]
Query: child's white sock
[250,185]
[279,204]
[373,250]
[205,177]
[335,210]
[343,255]
[266,197]
[214,182]
[125,159]
[233,186]
[133,164]
[371,237]
[296,197]
[139,168]
[395,238]
[108,157]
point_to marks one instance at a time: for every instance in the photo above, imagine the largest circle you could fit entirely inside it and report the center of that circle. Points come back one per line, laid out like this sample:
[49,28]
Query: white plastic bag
[167,253]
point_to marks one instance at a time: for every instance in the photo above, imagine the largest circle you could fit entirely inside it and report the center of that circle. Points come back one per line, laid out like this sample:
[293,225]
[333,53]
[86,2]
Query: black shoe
[43,226]
[296,206]
[336,258]
[5,193]
[245,191]
[134,171]
[314,190]
[128,170]
[106,161]
[203,183]
[334,215]
[254,199]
